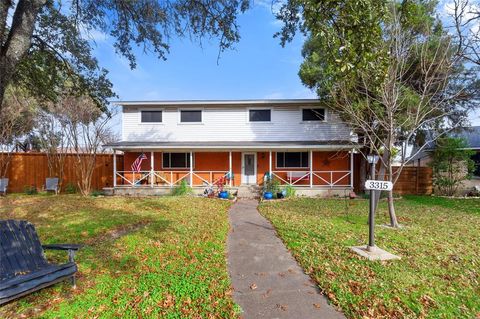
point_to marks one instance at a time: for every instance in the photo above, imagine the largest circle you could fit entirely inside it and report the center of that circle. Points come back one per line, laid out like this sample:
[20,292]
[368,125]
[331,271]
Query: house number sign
[378,185]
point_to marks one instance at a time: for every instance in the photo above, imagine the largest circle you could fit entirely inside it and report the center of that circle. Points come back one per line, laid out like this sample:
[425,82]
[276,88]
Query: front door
[249,168]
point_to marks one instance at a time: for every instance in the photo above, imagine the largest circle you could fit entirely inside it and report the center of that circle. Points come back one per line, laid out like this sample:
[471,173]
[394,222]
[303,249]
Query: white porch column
[230,168]
[351,168]
[152,168]
[270,163]
[310,155]
[191,169]
[114,168]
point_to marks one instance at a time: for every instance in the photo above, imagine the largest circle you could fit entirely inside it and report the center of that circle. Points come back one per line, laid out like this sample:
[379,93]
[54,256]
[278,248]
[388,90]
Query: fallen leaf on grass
[283,307]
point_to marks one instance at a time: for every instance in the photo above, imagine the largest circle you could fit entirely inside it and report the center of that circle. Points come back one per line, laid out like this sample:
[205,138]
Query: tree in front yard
[86,129]
[46,44]
[452,164]
[17,119]
[388,68]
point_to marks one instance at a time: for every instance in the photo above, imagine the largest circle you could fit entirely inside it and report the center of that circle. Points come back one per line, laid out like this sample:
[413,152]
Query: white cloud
[271,5]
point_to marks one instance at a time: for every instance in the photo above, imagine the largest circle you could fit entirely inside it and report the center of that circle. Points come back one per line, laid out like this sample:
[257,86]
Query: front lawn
[144,258]
[437,277]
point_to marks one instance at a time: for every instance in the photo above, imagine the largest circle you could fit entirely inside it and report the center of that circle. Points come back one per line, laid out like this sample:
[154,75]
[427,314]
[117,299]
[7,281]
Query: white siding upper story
[230,122]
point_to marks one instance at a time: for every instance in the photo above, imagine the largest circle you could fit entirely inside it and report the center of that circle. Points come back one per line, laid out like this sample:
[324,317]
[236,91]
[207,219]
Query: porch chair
[3,185]
[51,184]
[23,266]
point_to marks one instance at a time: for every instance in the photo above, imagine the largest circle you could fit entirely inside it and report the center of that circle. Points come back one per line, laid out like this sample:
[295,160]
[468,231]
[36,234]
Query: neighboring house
[299,142]
[472,136]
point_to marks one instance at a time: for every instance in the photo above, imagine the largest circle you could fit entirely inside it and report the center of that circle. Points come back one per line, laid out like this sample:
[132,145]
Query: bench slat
[18,248]
[21,247]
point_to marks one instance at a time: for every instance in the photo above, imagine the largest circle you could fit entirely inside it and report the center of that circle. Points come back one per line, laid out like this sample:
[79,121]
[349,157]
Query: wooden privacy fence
[414,180]
[31,169]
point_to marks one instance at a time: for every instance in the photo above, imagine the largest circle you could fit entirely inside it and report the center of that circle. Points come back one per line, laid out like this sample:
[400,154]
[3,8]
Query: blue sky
[258,67]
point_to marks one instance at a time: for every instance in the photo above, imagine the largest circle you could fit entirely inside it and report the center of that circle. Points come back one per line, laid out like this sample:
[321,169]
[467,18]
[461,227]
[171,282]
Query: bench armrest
[62,246]
[71,248]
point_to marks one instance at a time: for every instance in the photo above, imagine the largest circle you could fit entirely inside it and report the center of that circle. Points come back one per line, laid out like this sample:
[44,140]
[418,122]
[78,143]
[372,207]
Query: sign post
[372,159]
[370,251]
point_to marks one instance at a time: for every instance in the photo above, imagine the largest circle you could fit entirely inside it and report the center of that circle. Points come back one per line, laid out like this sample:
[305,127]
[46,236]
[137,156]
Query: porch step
[249,191]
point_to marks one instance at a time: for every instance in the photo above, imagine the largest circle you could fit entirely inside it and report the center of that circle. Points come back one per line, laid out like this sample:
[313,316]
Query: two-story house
[298,142]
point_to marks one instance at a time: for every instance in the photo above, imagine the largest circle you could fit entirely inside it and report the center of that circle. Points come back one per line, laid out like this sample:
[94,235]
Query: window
[190,116]
[259,115]
[176,160]
[476,159]
[313,115]
[292,159]
[151,116]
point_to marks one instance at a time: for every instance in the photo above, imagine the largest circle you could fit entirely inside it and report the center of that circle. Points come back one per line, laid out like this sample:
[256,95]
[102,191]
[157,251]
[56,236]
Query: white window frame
[178,168]
[190,109]
[151,109]
[311,108]
[289,167]
[259,108]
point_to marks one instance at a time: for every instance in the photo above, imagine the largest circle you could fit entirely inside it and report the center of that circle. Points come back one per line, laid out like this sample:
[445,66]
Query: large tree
[45,46]
[386,66]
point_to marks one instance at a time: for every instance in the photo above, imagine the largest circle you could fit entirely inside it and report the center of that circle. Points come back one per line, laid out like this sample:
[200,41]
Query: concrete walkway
[267,281]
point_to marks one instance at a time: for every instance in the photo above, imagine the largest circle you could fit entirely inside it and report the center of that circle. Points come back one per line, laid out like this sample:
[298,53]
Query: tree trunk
[18,41]
[391,211]
[391,207]
[381,177]
[363,174]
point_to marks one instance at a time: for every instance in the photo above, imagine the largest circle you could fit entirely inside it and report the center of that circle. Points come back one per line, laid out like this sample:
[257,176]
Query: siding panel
[231,124]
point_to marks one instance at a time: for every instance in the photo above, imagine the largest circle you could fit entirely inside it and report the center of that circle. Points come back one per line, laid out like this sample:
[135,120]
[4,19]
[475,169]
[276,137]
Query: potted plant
[271,186]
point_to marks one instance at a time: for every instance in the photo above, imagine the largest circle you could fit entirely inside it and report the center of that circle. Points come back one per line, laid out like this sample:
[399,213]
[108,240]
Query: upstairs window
[313,115]
[151,117]
[292,159]
[260,115]
[176,160]
[190,116]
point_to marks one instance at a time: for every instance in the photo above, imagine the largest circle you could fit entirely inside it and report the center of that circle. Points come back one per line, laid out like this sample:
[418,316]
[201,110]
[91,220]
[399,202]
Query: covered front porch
[299,165]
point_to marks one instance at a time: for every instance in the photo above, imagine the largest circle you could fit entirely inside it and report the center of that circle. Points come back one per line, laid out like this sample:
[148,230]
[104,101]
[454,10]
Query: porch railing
[314,178]
[169,178]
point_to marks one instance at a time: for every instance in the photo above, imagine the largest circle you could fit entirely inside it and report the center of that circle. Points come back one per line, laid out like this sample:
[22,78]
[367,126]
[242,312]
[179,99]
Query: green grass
[144,258]
[437,277]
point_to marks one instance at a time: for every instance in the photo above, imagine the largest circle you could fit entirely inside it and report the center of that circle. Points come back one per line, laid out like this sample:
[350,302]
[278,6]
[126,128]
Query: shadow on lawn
[103,255]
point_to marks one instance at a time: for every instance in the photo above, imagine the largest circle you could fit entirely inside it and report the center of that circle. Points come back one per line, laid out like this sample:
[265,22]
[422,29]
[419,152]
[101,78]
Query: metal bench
[23,266]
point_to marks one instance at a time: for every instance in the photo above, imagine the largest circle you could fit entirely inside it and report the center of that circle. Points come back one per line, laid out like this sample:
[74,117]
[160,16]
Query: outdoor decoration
[220,183]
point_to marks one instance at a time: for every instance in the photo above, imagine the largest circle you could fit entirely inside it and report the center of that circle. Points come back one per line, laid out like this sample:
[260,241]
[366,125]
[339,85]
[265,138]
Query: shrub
[70,188]
[272,185]
[96,193]
[30,190]
[290,191]
[182,189]
[451,164]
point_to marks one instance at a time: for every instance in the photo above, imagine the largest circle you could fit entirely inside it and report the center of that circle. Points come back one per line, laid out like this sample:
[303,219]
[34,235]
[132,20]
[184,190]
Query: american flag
[137,164]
